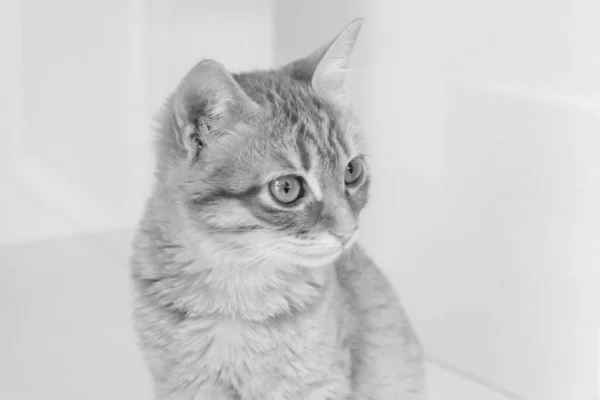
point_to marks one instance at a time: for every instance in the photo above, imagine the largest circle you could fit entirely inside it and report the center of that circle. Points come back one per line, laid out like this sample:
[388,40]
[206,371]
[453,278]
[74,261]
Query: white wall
[10,71]
[75,88]
[95,72]
[483,127]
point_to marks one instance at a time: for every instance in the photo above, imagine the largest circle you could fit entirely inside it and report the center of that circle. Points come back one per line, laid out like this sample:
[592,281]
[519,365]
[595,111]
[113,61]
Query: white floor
[65,327]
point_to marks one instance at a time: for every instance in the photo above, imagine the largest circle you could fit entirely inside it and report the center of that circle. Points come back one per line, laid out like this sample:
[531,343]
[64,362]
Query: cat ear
[327,67]
[206,101]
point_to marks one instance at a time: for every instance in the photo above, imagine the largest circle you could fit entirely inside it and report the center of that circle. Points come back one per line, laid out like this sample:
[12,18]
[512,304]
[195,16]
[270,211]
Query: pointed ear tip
[356,23]
[210,64]
[196,78]
[198,73]
[352,29]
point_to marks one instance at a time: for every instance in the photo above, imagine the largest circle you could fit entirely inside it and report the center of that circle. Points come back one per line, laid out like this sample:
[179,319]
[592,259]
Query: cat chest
[226,348]
[241,353]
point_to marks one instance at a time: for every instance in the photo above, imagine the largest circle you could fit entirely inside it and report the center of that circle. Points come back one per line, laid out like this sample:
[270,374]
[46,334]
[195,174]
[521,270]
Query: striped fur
[241,297]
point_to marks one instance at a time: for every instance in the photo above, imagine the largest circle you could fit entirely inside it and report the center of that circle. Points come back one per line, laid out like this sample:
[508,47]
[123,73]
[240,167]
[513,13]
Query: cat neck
[194,282]
[265,290]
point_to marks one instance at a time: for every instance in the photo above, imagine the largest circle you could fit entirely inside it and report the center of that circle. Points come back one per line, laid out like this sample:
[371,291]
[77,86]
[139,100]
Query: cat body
[249,284]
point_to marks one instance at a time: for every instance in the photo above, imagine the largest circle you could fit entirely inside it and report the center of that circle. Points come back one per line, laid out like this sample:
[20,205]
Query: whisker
[220,253]
[252,246]
[257,258]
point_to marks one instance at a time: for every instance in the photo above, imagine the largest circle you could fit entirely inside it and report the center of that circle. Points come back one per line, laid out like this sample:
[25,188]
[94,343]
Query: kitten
[248,281]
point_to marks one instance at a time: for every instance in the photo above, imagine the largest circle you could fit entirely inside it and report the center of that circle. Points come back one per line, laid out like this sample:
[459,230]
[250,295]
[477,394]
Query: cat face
[292,177]
[272,160]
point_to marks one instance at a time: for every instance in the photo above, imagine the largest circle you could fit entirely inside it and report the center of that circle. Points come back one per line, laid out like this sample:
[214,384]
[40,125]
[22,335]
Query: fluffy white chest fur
[275,360]
[351,342]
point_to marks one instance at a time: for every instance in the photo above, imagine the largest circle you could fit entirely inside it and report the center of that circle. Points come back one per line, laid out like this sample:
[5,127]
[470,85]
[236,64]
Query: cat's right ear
[207,101]
[326,69]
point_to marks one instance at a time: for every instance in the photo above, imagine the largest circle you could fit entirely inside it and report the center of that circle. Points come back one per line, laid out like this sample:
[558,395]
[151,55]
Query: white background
[484,134]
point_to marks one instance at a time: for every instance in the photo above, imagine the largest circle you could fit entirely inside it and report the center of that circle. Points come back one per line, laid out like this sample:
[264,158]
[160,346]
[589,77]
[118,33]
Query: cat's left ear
[207,102]
[326,68]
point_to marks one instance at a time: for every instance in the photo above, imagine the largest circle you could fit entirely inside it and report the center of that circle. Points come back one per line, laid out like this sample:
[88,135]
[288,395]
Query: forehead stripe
[341,139]
[302,147]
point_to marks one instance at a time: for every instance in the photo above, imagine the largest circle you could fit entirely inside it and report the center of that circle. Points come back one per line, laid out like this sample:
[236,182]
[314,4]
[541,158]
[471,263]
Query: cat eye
[354,171]
[287,189]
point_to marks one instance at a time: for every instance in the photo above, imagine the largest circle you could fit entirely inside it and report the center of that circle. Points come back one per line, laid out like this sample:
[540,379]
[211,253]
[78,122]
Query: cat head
[270,161]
